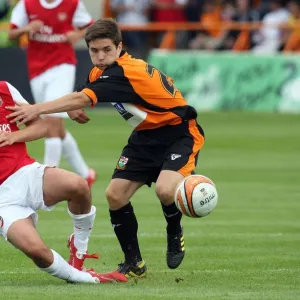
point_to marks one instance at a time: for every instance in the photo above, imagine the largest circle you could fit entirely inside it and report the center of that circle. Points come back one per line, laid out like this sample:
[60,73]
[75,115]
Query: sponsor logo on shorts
[122,163]
[1,222]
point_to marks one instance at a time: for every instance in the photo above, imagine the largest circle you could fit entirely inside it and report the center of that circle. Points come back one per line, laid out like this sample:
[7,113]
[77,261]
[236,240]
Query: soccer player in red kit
[53,27]
[27,186]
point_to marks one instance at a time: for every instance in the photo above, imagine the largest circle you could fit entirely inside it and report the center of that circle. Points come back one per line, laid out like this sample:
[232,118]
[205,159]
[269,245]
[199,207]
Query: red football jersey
[49,47]
[15,156]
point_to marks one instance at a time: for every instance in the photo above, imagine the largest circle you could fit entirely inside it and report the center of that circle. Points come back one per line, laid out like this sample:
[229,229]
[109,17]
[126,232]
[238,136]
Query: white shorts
[54,83]
[21,195]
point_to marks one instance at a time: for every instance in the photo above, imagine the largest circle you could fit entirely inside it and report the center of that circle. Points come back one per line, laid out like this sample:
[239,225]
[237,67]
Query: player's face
[104,52]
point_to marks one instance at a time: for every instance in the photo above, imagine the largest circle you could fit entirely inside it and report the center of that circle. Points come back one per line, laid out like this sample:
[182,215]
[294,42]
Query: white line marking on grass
[191,234]
[37,272]
[229,271]
[20,272]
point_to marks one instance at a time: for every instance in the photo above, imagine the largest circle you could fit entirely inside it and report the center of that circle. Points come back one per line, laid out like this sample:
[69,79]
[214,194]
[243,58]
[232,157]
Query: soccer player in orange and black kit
[162,148]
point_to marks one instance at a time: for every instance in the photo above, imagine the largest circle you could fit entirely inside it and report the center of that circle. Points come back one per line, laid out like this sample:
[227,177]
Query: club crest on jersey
[1,222]
[122,163]
[62,16]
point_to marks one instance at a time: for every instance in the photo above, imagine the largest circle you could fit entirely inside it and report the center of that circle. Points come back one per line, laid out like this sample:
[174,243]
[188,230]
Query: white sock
[83,225]
[61,269]
[53,150]
[72,154]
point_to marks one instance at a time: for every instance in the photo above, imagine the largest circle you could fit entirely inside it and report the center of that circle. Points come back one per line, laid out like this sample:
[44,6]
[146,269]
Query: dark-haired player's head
[104,40]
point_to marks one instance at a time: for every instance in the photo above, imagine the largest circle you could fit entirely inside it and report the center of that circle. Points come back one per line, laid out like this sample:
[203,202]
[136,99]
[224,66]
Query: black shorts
[148,152]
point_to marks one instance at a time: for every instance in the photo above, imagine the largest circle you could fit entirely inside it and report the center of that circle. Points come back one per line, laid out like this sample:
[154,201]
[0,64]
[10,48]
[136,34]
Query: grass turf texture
[248,248]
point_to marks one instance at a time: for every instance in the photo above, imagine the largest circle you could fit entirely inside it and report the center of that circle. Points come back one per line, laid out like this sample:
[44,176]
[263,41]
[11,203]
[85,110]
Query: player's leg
[61,82]
[137,165]
[23,235]
[53,140]
[55,127]
[180,162]
[44,187]
[125,225]
[165,189]
[73,188]
[74,157]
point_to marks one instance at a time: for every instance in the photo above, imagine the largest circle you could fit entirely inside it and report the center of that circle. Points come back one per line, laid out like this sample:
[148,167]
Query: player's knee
[115,198]
[165,193]
[79,188]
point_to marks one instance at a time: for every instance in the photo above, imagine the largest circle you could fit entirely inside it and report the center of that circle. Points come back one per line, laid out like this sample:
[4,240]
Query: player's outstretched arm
[34,130]
[69,102]
[32,27]
[19,22]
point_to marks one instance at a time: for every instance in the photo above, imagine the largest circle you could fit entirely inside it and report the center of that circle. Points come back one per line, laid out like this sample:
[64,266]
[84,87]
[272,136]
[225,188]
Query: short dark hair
[106,28]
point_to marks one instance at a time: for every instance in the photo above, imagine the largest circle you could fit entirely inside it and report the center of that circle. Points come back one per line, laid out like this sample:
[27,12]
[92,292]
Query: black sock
[125,226]
[173,218]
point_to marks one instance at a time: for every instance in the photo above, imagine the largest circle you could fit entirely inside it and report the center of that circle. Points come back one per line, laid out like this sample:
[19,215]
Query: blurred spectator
[269,38]
[171,11]
[194,10]
[4,8]
[262,7]
[213,16]
[293,35]
[243,13]
[107,11]
[133,12]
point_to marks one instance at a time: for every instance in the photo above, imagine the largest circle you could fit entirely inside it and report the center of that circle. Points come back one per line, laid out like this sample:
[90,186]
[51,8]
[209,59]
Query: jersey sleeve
[111,86]
[81,18]
[19,17]
[17,97]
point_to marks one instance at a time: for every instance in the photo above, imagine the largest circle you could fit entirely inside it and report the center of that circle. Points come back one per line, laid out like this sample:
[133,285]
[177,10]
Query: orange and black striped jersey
[143,95]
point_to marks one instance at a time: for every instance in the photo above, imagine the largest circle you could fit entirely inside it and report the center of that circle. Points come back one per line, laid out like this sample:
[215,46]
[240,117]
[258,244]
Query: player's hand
[73,37]
[79,116]
[34,26]
[6,139]
[22,113]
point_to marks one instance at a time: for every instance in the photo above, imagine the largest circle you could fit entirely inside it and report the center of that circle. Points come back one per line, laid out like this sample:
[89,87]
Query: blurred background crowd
[220,24]
[213,15]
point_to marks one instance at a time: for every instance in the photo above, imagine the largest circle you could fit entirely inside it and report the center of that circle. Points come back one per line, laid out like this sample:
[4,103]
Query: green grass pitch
[248,248]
